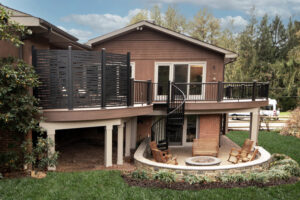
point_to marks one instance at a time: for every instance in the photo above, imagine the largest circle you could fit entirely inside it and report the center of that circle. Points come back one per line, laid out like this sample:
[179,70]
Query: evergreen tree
[279,38]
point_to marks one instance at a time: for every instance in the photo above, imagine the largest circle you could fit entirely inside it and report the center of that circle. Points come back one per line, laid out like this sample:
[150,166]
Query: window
[191,128]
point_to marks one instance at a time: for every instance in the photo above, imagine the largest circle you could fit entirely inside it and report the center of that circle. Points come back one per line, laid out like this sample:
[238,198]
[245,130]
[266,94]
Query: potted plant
[39,157]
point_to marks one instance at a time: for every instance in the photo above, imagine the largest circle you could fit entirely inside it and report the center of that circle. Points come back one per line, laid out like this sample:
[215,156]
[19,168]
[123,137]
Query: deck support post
[254,125]
[128,138]
[133,132]
[108,146]
[51,136]
[120,144]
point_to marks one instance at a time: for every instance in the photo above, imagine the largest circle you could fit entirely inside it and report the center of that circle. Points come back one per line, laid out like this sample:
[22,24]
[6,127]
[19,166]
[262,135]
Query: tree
[205,27]
[142,15]
[279,38]
[247,51]
[173,20]
[156,16]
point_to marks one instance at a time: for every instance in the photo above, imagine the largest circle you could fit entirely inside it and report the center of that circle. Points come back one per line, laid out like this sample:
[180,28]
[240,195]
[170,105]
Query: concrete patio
[183,153]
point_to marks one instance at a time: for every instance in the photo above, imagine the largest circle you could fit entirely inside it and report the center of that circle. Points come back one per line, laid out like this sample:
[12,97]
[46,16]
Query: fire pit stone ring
[202,161]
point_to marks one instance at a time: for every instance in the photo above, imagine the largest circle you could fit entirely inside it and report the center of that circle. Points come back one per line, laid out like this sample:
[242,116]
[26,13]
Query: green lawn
[109,184]
[284,114]
[272,142]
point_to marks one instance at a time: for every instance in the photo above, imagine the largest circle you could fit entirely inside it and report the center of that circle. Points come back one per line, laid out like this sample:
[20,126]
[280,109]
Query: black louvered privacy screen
[82,79]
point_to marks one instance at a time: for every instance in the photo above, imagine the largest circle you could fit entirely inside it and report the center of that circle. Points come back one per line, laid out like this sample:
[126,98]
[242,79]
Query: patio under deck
[182,153]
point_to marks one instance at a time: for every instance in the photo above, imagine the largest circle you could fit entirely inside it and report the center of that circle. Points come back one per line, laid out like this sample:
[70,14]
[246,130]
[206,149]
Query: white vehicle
[269,110]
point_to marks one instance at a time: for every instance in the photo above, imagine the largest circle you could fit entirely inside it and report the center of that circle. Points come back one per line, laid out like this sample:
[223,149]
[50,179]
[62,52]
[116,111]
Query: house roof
[228,54]
[42,27]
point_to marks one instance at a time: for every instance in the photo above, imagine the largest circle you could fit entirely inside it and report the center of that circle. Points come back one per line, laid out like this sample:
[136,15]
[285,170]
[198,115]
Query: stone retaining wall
[142,163]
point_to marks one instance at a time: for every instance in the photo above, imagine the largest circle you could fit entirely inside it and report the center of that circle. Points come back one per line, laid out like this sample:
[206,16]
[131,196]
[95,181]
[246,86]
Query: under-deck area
[83,149]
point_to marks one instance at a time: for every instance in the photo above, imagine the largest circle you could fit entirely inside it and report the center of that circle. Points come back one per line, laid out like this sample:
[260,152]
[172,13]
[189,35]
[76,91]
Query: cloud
[82,35]
[101,23]
[236,23]
[283,8]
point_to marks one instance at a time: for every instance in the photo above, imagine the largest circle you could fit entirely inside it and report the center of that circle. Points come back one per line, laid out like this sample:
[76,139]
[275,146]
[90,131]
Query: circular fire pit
[203,161]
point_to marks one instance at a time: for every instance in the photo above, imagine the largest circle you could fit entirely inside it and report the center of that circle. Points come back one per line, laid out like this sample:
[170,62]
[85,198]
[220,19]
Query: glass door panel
[181,76]
[162,85]
[196,79]
[191,128]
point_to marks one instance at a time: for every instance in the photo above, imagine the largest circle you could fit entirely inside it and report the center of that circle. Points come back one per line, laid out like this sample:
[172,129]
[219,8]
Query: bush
[237,178]
[168,177]
[40,157]
[140,174]
[10,161]
[192,179]
[1,177]
[292,126]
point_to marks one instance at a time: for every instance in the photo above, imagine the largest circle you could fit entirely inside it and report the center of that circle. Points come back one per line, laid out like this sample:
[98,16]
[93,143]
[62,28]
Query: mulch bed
[186,186]
[16,174]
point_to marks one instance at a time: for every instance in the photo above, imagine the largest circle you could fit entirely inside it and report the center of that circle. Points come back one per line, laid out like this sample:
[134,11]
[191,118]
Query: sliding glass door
[187,76]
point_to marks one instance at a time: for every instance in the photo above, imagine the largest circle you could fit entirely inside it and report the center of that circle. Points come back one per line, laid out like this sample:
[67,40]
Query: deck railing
[215,91]
[87,79]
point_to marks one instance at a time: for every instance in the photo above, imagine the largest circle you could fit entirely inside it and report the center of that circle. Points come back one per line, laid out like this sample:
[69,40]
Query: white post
[254,125]
[120,145]
[108,146]
[51,136]
[133,132]
[128,138]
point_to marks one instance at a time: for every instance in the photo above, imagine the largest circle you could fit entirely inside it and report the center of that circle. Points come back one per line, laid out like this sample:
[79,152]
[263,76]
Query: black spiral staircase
[169,128]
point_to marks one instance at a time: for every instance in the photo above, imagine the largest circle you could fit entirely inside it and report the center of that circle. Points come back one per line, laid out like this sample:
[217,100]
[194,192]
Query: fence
[79,79]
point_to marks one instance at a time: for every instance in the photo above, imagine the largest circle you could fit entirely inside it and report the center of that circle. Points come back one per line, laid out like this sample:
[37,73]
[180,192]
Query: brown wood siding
[149,46]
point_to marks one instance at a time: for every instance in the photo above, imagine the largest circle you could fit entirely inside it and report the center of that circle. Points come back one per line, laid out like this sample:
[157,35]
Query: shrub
[292,126]
[140,174]
[238,178]
[10,161]
[1,177]
[168,177]
[40,157]
[192,179]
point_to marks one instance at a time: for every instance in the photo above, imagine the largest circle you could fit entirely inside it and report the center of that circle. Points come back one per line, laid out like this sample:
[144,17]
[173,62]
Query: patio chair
[239,154]
[250,156]
[206,147]
[161,157]
[167,152]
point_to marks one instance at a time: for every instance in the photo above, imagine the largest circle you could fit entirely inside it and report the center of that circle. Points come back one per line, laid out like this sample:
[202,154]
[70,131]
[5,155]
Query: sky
[86,19]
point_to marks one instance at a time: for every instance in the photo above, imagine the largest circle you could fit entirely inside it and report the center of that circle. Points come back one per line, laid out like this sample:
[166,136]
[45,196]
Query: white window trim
[132,69]
[171,72]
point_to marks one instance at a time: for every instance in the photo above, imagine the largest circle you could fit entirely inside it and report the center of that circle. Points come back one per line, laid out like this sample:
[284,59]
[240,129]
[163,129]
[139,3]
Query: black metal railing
[215,91]
[142,92]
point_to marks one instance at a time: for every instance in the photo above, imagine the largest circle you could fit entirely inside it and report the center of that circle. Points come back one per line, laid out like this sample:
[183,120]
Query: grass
[110,185]
[284,114]
[272,141]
